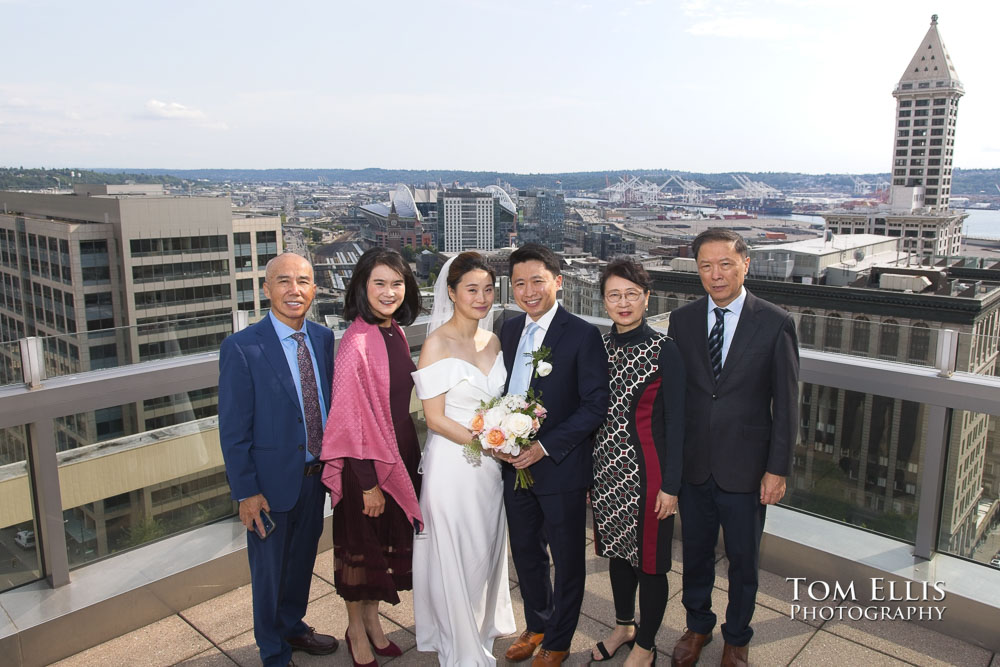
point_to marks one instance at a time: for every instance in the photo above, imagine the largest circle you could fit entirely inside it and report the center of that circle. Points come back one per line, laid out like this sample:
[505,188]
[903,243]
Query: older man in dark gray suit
[741,421]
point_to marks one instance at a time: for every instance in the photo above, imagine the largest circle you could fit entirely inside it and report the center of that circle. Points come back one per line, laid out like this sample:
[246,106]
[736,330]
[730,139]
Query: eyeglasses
[615,297]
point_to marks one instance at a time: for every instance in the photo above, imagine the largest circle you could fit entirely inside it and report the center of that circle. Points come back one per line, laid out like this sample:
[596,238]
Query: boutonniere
[540,361]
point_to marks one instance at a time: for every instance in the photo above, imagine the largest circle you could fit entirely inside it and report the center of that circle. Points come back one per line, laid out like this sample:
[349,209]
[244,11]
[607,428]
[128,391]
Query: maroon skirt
[373,557]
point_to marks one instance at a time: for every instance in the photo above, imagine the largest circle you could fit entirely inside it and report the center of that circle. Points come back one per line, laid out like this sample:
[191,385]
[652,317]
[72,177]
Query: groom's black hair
[530,252]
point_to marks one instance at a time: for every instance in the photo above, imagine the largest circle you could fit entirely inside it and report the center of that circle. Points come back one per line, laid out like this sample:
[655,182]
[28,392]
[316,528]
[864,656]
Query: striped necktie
[715,342]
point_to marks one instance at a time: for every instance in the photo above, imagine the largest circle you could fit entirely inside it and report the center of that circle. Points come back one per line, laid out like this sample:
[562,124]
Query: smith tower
[923,150]
[926,107]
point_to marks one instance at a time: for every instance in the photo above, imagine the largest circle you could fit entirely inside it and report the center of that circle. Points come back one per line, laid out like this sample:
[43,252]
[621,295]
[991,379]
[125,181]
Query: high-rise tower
[926,107]
[923,149]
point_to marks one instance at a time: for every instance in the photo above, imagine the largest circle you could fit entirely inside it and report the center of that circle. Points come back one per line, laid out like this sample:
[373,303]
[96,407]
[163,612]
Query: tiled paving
[219,632]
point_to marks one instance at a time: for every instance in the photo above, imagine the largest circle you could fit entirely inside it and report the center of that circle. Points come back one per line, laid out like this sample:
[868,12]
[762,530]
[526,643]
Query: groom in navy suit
[274,394]
[552,513]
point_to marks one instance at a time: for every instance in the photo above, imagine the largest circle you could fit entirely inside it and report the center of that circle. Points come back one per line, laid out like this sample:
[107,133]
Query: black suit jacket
[575,394]
[745,424]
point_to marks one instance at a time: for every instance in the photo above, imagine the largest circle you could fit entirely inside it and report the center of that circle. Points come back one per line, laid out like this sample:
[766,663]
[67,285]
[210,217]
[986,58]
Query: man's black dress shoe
[314,643]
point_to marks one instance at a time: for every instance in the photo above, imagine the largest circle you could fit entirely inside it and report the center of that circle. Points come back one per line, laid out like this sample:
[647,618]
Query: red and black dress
[639,448]
[373,557]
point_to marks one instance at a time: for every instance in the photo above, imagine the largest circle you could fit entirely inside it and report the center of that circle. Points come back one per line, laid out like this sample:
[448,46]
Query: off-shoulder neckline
[486,374]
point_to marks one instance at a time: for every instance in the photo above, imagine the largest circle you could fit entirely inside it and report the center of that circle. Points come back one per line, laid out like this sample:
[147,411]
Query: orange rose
[477,423]
[495,437]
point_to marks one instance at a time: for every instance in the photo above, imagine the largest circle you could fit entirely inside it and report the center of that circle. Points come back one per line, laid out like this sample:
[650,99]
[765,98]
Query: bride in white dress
[461,593]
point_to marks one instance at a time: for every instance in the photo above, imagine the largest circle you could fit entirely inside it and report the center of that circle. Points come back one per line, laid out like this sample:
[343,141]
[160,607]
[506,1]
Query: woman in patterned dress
[637,463]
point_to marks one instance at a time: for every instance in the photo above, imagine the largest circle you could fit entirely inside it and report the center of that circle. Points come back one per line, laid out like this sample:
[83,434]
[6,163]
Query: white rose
[514,402]
[517,425]
[543,369]
[493,417]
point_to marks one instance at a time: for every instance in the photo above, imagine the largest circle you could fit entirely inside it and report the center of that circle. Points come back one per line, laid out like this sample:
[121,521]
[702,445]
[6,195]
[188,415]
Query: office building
[541,217]
[114,275]
[465,220]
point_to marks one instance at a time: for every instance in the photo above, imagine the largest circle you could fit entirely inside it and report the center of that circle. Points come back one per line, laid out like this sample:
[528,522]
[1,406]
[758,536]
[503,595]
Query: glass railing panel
[10,363]
[20,560]
[970,505]
[869,337]
[112,348]
[859,459]
[978,354]
[135,473]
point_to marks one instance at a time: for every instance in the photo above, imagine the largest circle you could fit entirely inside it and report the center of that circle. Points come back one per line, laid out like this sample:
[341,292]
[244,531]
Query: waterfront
[982,223]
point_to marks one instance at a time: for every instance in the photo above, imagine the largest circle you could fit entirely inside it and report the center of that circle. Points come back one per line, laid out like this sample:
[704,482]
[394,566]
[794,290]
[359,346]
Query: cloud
[16,102]
[173,110]
[743,26]
[177,111]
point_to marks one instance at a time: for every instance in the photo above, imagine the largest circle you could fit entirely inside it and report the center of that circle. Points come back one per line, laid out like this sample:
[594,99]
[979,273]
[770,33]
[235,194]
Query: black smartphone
[268,523]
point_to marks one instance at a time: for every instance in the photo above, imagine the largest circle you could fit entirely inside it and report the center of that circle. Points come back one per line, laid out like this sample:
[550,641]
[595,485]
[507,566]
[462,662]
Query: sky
[527,86]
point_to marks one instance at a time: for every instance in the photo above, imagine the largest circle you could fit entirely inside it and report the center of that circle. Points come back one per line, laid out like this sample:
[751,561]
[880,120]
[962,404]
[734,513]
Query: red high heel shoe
[390,650]
[350,649]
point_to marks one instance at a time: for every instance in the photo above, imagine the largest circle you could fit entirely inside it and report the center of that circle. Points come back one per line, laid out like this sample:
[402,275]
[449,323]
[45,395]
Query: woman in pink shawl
[371,451]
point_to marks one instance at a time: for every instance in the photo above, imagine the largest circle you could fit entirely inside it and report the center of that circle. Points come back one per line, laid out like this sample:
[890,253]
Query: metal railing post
[43,470]
[947,352]
[32,361]
[241,320]
[932,481]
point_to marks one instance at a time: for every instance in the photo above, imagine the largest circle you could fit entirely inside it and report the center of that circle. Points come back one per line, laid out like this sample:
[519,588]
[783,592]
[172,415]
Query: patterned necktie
[520,374]
[310,396]
[715,342]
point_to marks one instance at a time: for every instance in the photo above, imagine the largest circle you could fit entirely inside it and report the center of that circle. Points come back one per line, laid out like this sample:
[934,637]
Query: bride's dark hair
[465,262]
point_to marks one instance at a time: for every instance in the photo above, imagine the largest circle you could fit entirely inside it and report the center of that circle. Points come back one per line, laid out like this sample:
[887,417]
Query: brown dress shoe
[734,656]
[313,643]
[524,646]
[547,658]
[688,648]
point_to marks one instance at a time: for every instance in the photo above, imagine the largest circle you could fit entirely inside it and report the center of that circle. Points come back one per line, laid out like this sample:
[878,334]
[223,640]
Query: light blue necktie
[520,375]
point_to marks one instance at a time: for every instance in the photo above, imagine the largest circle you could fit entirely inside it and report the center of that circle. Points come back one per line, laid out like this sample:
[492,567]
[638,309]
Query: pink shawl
[360,424]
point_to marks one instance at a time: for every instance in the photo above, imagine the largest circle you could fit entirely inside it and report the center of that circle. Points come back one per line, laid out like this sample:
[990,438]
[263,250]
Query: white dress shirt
[543,322]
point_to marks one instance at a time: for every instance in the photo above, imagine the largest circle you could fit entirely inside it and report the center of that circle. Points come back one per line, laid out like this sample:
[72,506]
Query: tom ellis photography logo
[883,600]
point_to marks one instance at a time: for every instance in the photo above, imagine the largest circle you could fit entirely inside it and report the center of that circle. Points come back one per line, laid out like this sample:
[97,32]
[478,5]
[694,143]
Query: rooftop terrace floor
[219,632]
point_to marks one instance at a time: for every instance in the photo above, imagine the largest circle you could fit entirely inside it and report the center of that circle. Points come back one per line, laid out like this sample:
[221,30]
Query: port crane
[693,192]
[632,190]
[756,189]
[861,186]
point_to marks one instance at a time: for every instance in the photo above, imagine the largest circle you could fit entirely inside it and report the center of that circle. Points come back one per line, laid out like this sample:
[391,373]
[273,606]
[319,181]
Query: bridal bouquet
[507,424]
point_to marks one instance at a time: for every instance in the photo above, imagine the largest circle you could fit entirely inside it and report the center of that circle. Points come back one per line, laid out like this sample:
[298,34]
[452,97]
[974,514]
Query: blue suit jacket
[575,394]
[261,430]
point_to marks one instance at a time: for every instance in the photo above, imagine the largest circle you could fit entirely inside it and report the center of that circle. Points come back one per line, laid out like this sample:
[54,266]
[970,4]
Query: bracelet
[371,490]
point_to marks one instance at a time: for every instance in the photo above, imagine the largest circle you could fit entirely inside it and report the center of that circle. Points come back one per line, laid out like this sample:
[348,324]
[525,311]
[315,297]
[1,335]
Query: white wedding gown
[461,593]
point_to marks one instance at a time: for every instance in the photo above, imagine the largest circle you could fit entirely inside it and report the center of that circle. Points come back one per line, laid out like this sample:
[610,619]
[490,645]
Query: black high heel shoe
[603,650]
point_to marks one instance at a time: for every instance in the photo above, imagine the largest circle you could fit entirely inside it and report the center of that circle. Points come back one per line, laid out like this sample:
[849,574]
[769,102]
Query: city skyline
[708,85]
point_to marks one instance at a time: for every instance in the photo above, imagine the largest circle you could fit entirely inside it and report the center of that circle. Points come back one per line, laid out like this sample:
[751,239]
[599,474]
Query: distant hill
[964,181]
[17,178]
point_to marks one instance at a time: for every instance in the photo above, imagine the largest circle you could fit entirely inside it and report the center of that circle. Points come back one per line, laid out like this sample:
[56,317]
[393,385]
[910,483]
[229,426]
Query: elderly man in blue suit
[274,394]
